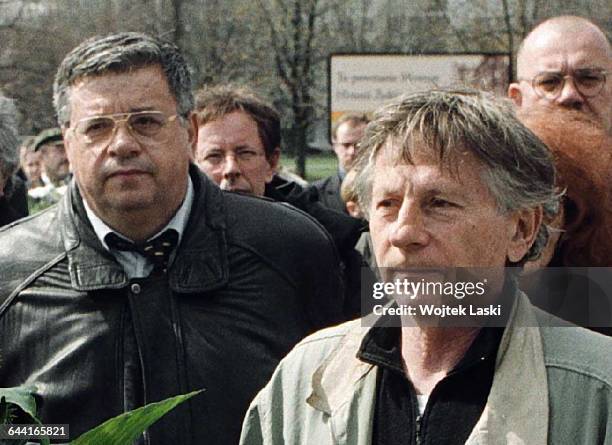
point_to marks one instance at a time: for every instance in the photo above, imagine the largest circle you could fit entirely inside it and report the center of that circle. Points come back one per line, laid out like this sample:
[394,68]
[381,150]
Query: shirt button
[135,288]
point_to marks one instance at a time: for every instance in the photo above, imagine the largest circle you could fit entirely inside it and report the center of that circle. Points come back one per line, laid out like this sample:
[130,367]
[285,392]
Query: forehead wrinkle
[99,84]
[406,178]
[586,40]
[443,178]
[413,147]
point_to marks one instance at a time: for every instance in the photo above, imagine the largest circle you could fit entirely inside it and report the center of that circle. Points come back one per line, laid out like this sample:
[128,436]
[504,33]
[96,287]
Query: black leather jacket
[250,279]
[14,202]
[344,230]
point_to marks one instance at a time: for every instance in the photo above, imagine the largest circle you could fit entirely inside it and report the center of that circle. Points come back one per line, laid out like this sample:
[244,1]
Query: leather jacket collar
[200,264]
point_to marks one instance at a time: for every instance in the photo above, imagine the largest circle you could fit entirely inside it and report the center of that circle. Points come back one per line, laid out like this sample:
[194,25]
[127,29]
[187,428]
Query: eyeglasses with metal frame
[144,125]
[549,84]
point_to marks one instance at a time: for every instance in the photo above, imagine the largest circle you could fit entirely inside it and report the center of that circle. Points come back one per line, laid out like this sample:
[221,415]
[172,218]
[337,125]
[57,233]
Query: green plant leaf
[22,397]
[18,406]
[125,428]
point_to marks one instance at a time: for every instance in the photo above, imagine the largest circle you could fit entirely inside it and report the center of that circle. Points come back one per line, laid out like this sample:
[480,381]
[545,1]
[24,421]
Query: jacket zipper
[418,420]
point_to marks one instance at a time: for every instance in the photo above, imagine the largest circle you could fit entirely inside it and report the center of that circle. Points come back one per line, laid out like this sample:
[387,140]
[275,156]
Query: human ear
[273,161]
[352,207]
[523,232]
[67,138]
[192,133]
[515,94]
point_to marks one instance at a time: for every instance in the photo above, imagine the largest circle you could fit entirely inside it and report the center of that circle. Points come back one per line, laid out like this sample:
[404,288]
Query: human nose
[409,231]
[122,141]
[231,167]
[570,96]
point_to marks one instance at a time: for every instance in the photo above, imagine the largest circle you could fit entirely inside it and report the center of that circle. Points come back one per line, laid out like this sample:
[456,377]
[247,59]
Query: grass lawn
[317,166]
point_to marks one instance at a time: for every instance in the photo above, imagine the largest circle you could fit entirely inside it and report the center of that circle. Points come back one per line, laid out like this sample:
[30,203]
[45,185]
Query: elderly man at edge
[565,63]
[450,179]
[146,280]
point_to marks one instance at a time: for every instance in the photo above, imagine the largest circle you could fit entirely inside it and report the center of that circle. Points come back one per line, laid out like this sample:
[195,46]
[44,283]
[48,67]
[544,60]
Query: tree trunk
[301,132]
[179,31]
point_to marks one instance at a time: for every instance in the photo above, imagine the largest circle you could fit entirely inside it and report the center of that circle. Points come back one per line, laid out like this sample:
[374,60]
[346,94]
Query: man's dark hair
[213,103]
[118,53]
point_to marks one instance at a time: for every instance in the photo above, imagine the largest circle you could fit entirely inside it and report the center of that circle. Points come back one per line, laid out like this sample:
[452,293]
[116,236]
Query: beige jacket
[552,385]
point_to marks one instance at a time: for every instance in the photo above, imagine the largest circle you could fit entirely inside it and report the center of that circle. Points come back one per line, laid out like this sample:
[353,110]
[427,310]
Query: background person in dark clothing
[13,202]
[346,134]
[238,148]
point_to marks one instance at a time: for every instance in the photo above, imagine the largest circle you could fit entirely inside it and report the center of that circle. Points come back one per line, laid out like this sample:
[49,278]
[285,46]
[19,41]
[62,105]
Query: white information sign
[361,83]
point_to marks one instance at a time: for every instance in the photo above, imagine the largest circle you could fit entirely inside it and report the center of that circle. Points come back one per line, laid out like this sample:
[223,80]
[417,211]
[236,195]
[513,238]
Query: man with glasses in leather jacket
[146,280]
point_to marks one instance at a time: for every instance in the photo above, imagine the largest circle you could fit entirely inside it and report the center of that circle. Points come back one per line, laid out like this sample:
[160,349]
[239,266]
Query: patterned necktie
[157,250]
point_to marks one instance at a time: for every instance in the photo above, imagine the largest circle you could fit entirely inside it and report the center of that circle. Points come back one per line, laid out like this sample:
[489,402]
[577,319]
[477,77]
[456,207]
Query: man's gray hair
[518,168]
[9,142]
[117,53]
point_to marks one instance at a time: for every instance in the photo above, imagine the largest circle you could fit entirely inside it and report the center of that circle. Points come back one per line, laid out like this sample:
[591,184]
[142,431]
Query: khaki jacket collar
[516,411]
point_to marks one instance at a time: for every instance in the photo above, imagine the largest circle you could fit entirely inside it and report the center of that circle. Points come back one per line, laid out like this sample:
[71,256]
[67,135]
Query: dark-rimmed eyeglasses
[142,125]
[549,84]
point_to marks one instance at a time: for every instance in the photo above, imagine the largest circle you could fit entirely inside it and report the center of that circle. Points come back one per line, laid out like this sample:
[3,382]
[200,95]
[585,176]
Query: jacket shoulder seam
[27,218]
[321,338]
[585,371]
[29,279]
[264,259]
[330,333]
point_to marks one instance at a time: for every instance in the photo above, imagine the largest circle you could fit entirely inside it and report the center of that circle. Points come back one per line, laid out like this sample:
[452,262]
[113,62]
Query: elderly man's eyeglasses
[142,125]
[589,82]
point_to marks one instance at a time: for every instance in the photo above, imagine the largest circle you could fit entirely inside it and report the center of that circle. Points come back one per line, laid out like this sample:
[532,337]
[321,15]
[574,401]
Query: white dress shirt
[134,264]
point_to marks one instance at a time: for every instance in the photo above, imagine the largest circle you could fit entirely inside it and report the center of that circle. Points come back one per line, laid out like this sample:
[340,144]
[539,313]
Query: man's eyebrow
[562,70]
[436,191]
[453,193]
[448,190]
[137,109]
[591,68]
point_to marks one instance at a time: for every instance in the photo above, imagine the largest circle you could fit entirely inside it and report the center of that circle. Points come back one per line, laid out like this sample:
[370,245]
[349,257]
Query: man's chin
[63,171]
[131,204]
[349,165]
[236,189]
[129,199]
